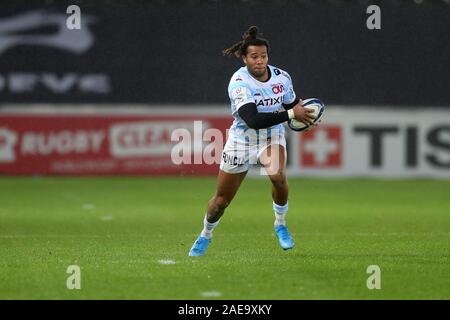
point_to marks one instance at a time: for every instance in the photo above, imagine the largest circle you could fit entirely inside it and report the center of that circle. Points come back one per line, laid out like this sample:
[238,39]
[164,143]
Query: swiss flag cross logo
[321,147]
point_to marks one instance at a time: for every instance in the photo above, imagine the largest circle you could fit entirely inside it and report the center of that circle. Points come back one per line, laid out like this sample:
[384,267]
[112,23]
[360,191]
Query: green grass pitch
[130,237]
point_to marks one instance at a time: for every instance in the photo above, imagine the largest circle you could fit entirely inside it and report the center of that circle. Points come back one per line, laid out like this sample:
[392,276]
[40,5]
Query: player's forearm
[260,120]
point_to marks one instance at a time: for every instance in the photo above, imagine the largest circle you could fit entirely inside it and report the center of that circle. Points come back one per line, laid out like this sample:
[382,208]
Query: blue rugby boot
[199,247]
[284,237]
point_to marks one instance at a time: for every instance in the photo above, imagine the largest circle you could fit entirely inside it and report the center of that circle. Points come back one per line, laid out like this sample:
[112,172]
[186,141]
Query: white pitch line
[88,206]
[211,294]
[166,261]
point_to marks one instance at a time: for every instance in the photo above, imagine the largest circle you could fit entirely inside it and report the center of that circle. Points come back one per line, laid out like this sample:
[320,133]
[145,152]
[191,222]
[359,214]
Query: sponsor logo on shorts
[232,160]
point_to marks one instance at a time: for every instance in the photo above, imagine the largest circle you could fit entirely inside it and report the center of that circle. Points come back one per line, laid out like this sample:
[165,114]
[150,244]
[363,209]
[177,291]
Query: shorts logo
[232,160]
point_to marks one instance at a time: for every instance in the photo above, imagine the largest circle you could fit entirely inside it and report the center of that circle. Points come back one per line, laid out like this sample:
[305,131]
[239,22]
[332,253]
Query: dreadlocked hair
[251,37]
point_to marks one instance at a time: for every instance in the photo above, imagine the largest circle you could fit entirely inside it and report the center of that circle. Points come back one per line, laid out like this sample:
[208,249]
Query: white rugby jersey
[268,96]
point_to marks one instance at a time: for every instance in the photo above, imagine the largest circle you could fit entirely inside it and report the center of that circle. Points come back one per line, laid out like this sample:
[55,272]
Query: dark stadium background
[169,52]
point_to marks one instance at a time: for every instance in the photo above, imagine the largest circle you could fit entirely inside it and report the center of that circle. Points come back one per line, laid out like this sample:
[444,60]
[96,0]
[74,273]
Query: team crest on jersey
[239,94]
[277,88]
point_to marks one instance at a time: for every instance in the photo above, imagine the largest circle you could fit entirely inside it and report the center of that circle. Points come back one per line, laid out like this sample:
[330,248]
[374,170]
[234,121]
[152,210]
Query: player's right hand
[303,114]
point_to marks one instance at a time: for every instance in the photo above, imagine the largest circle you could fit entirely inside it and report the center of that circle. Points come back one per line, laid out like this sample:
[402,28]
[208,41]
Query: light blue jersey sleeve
[240,94]
[290,96]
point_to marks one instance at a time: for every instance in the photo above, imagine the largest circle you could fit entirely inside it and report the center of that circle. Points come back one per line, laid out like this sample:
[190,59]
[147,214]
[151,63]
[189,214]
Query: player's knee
[279,180]
[221,202]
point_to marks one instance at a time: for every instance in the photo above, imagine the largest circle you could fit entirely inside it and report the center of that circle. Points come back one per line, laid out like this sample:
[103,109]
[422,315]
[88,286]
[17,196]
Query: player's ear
[244,59]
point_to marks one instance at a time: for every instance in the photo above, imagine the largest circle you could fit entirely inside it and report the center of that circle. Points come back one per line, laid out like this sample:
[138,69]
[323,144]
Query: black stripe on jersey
[291,105]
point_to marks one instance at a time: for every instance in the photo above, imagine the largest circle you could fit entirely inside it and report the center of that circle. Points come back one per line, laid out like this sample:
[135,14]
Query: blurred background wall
[170,51]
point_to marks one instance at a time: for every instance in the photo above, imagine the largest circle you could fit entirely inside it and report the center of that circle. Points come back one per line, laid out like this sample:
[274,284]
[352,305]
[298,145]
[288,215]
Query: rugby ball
[314,104]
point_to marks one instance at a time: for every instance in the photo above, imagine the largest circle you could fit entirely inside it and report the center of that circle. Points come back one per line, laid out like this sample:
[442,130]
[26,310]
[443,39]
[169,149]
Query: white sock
[208,228]
[280,214]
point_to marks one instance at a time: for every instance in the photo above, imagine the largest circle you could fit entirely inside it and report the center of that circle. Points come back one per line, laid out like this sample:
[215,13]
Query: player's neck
[265,77]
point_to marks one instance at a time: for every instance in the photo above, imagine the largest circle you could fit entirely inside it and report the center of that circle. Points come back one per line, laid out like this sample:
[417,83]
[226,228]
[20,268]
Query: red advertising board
[189,141]
[111,144]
